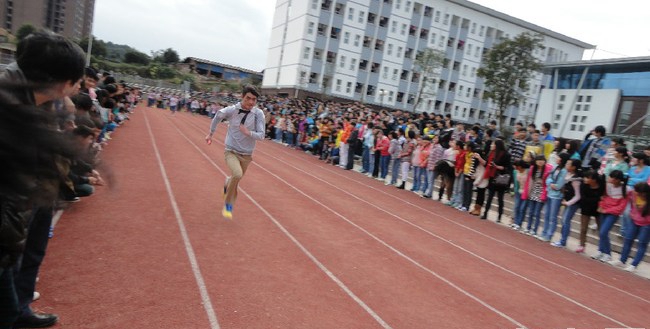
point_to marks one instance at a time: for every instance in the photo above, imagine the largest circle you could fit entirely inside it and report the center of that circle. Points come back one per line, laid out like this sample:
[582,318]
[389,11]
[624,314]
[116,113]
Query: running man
[246,125]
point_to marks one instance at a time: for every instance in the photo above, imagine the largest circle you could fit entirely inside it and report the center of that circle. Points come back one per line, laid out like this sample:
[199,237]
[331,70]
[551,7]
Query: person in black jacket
[352,141]
[498,163]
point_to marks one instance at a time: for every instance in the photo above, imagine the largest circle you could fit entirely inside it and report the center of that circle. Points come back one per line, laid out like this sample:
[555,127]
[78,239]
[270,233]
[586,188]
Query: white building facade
[364,50]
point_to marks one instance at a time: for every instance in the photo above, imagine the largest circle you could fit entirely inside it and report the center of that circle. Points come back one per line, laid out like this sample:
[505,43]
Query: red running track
[310,246]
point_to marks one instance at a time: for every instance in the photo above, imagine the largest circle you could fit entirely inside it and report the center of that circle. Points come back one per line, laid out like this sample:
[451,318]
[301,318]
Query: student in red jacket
[611,206]
[639,199]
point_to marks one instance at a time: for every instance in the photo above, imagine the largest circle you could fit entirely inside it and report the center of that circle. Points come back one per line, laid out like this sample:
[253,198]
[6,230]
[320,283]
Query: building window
[351,14]
[473,28]
[395,72]
[353,64]
[362,14]
[437,18]
[433,38]
[385,75]
[321,29]
[314,4]
[310,28]
[473,72]
[389,51]
[357,40]
[306,55]
[393,27]
[338,85]
[399,52]
[403,31]
[407,8]
[624,116]
[645,131]
[469,49]
[481,31]
[446,21]
[346,38]
[348,87]
[342,61]
[398,4]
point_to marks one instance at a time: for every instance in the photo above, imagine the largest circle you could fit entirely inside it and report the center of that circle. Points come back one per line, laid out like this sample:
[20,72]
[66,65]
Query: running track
[310,246]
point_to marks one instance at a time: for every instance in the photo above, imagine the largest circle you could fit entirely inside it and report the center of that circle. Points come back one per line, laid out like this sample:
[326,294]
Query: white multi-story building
[364,50]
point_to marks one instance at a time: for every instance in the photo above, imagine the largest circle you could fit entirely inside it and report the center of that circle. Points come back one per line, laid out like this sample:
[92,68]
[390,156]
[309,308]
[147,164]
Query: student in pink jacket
[639,198]
[535,192]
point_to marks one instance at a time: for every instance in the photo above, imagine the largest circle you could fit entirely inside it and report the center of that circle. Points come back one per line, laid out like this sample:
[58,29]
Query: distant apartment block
[364,50]
[71,18]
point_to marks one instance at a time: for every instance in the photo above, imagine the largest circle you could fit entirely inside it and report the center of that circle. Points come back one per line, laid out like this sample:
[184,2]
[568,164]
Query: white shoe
[605,258]
[617,263]
[597,256]
[630,268]
[516,227]
[37,296]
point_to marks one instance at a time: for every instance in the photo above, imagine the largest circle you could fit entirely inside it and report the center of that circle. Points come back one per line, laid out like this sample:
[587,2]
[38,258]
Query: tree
[98,48]
[427,63]
[167,56]
[136,57]
[509,66]
[24,31]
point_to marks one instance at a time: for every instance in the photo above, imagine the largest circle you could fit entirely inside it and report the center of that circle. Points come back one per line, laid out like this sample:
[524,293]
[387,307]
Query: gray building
[70,18]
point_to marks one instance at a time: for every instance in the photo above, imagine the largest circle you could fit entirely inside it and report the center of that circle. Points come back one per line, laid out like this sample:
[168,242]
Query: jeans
[424,179]
[431,182]
[395,171]
[520,209]
[626,220]
[371,163]
[567,216]
[9,309]
[290,139]
[406,167]
[457,193]
[278,135]
[383,163]
[534,212]
[643,235]
[416,178]
[365,159]
[606,223]
[552,209]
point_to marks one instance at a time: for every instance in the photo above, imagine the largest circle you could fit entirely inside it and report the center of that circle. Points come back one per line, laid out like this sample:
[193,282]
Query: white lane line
[313,258]
[374,237]
[572,271]
[554,292]
[205,297]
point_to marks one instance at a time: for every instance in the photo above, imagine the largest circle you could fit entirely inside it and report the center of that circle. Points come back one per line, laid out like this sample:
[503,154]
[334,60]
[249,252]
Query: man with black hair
[594,148]
[48,68]
[246,126]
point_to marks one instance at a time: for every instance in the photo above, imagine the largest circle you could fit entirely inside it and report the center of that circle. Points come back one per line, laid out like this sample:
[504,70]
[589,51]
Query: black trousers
[29,265]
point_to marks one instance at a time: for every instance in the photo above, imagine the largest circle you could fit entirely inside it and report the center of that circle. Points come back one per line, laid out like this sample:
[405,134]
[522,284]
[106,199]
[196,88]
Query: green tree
[509,66]
[167,56]
[427,62]
[136,57]
[98,48]
[24,31]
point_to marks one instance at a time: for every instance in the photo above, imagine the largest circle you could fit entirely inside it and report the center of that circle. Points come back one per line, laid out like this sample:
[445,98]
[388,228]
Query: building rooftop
[522,23]
[205,61]
[623,61]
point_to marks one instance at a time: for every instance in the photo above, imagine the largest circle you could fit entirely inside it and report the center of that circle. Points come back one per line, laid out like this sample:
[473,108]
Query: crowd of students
[56,117]
[471,164]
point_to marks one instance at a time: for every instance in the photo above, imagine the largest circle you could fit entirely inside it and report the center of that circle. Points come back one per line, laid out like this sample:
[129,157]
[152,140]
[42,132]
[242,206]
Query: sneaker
[605,258]
[51,233]
[580,250]
[227,211]
[557,244]
[37,296]
[630,268]
[516,227]
[617,263]
[450,203]
[596,256]
[463,209]
[543,239]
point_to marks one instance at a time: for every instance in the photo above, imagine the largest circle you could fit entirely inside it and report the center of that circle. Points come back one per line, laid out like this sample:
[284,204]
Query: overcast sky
[236,32]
